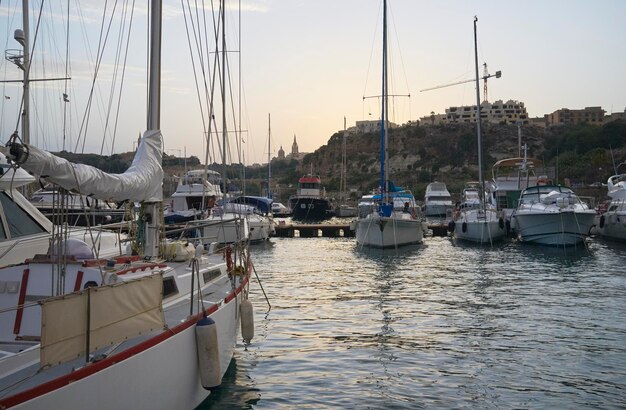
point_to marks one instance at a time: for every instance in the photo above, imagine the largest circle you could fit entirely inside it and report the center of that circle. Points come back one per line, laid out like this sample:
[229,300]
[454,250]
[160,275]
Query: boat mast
[223,84]
[151,210]
[481,192]
[26,62]
[269,160]
[383,128]
[342,180]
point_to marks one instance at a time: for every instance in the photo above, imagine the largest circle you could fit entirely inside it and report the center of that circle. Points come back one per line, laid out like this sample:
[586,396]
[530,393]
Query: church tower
[294,146]
[281,153]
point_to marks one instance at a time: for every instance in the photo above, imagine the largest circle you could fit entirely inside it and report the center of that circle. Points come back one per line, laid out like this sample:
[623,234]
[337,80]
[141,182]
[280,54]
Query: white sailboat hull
[228,228]
[144,381]
[137,374]
[261,228]
[612,224]
[479,226]
[385,232]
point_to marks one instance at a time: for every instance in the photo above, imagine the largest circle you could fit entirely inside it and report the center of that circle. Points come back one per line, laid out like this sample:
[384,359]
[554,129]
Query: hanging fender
[464,227]
[501,223]
[208,353]
[602,221]
[451,225]
[247,320]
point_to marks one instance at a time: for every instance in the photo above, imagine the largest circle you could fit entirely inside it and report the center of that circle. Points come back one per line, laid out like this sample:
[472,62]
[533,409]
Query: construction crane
[485,76]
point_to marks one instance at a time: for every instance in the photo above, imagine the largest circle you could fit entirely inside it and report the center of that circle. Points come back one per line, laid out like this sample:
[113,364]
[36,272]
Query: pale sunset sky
[310,63]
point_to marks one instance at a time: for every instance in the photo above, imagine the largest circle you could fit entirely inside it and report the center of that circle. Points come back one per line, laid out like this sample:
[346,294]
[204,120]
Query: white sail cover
[141,182]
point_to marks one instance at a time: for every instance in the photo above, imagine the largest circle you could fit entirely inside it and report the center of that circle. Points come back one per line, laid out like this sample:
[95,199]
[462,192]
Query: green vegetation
[419,155]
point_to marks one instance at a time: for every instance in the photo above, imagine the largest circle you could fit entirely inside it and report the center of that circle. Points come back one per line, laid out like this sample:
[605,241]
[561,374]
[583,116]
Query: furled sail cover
[117,313]
[141,182]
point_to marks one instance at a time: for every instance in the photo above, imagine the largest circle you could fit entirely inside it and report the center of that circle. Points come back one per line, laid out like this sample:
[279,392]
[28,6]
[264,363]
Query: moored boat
[310,203]
[612,222]
[552,215]
[156,329]
[392,218]
[437,200]
[478,221]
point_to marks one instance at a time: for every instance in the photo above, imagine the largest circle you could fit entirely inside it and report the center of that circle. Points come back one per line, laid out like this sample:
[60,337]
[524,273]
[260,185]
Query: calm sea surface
[440,325]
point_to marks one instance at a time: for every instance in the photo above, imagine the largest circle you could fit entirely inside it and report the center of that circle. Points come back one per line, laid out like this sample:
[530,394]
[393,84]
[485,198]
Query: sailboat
[393,218]
[344,209]
[480,224]
[137,331]
[612,222]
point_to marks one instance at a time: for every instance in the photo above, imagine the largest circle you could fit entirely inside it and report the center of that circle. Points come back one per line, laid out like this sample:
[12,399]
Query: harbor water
[439,325]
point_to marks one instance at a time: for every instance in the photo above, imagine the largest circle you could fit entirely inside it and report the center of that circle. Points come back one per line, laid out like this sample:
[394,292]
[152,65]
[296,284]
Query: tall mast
[269,160]
[481,192]
[223,83]
[342,180]
[154,84]
[383,128]
[152,227]
[25,41]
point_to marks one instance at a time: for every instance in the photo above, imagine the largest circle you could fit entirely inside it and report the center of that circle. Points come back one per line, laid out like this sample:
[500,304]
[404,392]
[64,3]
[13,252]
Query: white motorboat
[437,200]
[552,215]
[195,202]
[157,329]
[257,210]
[278,209]
[612,222]
[387,225]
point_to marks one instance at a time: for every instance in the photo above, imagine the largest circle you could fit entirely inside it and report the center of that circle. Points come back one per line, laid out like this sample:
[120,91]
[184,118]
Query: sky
[309,64]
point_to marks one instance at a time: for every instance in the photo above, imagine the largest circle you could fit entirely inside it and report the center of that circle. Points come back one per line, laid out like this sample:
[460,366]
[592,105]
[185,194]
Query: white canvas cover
[141,182]
[117,313]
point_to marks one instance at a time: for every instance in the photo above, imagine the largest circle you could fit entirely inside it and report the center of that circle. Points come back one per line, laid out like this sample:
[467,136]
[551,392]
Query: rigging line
[129,21]
[406,78]
[369,63]
[193,63]
[32,52]
[119,102]
[120,40]
[100,53]
[232,107]
[195,72]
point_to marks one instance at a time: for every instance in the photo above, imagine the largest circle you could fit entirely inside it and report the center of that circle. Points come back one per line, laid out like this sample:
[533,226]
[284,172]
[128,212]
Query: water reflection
[434,325]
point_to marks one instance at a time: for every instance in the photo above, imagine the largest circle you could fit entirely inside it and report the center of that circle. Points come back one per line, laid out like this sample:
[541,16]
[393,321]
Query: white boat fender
[464,227]
[247,320]
[208,353]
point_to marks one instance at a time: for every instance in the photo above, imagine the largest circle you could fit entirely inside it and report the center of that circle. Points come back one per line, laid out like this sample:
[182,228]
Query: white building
[364,127]
[499,112]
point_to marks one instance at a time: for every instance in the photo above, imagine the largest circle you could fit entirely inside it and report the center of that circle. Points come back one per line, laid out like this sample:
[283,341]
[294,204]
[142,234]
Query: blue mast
[383,134]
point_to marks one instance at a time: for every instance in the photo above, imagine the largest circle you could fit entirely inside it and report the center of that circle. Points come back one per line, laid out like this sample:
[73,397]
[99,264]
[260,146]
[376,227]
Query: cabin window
[19,222]
[169,287]
[211,275]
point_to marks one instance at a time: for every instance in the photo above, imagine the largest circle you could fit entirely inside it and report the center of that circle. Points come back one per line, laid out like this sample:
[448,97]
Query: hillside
[421,154]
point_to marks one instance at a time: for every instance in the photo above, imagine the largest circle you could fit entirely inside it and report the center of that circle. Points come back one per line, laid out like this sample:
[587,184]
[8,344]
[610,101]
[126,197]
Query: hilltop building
[564,116]
[294,146]
[499,112]
[364,127]
[295,152]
